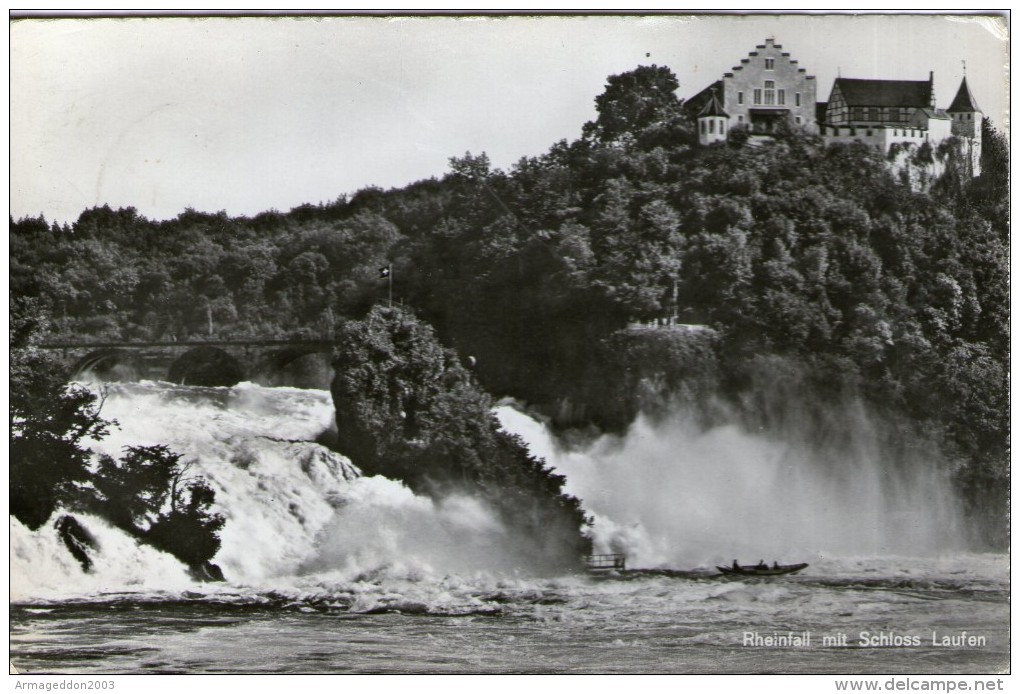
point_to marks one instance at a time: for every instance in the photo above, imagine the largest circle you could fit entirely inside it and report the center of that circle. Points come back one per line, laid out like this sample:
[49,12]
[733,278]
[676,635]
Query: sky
[251,114]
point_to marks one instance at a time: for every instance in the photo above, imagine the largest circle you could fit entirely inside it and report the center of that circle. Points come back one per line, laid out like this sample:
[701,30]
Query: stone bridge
[300,363]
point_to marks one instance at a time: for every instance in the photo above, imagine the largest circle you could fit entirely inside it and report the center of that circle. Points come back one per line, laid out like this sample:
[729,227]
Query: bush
[188,530]
[148,493]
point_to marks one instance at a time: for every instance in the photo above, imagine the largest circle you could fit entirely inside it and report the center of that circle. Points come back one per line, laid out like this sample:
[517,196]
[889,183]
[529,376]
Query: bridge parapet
[302,363]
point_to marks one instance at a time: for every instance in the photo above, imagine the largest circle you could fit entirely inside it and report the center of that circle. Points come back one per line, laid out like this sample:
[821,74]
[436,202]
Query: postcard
[506,344]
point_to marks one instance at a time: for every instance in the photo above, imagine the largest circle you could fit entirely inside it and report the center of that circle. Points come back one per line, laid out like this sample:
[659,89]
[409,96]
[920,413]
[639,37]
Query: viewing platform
[605,562]
[669,324]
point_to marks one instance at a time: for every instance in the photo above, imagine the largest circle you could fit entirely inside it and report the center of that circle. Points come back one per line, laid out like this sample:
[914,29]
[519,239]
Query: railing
[187,343]
[605,561]
[668,323]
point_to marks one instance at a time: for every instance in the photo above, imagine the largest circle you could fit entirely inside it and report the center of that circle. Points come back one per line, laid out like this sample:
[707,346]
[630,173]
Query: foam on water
[42,567]
[669,493]
[305,527]
[293,508]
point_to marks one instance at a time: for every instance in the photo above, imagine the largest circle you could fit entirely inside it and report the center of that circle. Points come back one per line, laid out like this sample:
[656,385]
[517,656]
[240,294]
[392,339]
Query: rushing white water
[672,494]
[667,495]
[293,508]
[42,567]
[331,571]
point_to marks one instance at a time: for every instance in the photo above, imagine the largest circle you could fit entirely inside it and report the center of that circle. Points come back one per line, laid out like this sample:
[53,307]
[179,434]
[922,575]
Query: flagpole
[389,275]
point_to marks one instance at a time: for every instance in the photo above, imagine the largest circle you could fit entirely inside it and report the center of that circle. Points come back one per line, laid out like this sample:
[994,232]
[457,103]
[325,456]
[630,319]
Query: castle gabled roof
[964,101]
[713,108]
[902,93]
[699,101]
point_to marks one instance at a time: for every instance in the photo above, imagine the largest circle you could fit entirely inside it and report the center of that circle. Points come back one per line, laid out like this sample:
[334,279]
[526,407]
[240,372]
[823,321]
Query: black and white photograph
[499,344]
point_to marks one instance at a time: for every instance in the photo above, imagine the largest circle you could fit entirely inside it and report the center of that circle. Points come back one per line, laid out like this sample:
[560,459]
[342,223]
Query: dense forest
[825,269]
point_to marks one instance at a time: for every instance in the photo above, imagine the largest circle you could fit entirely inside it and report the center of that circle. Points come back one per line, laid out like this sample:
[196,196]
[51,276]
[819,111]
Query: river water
[332,571]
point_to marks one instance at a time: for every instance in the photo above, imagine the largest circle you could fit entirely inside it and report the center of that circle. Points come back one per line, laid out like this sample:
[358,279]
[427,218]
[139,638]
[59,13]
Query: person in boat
[736,566]
[762,564]
[775,564]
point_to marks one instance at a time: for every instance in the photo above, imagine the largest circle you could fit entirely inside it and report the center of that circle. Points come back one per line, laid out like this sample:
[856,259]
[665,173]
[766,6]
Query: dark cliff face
[407,409]
[642,370]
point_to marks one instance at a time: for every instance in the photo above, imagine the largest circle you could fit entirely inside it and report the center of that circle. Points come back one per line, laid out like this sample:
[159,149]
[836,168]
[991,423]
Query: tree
[634,102]
[149,493]
[640,259]
[188,529]
[990,191]
[49,420]
[133,490]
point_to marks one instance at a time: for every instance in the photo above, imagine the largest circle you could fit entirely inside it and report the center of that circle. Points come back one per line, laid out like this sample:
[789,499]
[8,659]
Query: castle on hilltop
[768,88]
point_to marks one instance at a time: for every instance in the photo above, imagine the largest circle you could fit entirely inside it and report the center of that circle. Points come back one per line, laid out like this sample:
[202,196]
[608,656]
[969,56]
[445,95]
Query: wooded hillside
[819,256]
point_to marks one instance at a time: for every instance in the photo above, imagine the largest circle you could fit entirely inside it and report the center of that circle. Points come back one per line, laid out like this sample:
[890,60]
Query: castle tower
[967,119]
[712,122]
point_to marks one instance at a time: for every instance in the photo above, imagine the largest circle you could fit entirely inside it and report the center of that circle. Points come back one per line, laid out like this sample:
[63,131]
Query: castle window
[770,92]
[798,120]
[722,127]
[853,132]
[770,63]
[711,126]
[797,99]
[740,97]
[868,133]
[757,96]
[782,97]
[740,119]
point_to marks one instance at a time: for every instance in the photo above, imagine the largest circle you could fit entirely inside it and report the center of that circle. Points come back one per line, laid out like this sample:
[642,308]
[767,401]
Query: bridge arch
[108,364]
[300,366]
[206,366]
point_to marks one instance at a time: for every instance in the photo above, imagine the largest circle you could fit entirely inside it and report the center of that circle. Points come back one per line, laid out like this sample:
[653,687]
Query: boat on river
[761,569]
